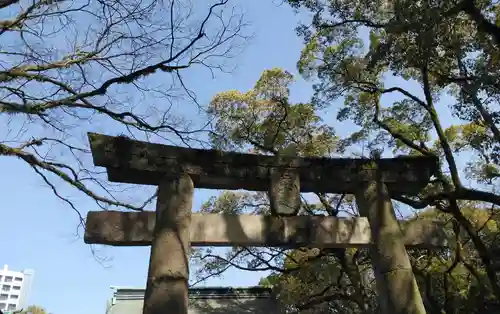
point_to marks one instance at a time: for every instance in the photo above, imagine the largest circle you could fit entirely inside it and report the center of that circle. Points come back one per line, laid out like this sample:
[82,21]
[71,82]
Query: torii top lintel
[138,162]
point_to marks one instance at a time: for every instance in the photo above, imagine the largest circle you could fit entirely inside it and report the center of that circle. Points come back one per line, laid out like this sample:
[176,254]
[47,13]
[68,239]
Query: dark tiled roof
[126,293]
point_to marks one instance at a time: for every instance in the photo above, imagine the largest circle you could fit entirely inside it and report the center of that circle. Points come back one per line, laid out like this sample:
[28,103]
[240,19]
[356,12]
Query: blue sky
[38,231]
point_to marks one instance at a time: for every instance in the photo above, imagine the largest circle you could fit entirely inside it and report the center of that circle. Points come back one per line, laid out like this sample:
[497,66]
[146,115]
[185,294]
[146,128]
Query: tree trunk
[397,288]
[168,275]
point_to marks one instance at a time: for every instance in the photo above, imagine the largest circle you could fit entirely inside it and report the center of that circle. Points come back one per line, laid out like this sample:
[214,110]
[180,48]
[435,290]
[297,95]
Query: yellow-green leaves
[468,136]
[274,84]
[263,119]
[33,309]
[308,57]
[229,202]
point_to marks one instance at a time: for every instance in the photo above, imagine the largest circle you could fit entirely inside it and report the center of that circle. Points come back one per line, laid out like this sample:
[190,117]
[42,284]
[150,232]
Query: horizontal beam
[138,162]
[136,229]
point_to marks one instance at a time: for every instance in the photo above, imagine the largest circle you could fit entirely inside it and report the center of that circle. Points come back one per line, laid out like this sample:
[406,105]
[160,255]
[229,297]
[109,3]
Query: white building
[14,288]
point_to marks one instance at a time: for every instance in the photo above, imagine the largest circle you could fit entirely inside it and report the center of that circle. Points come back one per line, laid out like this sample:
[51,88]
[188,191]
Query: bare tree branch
[68,68]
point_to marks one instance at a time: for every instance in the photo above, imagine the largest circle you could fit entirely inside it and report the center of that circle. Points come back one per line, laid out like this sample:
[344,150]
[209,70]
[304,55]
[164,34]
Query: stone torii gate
[172,229]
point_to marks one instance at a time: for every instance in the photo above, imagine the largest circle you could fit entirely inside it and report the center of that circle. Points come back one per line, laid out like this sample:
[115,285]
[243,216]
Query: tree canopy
[34,309]
[403,78]
[423,65]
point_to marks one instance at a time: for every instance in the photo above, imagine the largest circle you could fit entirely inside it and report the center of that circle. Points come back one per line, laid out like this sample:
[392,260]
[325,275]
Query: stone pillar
[284,192]
[168,274]
[284,189]
[397,288]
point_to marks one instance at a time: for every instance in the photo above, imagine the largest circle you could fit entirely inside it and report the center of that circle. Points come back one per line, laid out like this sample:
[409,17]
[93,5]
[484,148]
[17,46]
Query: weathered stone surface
[136,229]
[168,274]
[171,232]
[284,192]
[398,292]
[139,162]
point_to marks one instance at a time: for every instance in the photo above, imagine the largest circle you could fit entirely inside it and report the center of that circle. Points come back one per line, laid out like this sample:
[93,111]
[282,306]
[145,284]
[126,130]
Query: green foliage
[414,78]
[263,118]
[346,281]
[403,69]
[34,309]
